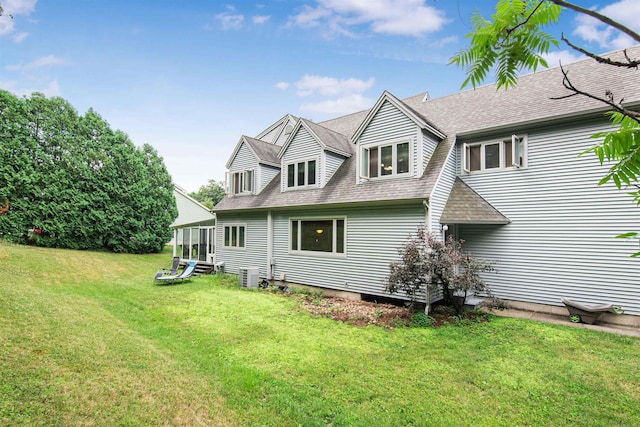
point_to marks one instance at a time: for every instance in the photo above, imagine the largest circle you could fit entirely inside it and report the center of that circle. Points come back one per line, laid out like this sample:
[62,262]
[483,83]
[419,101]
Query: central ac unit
[248,277]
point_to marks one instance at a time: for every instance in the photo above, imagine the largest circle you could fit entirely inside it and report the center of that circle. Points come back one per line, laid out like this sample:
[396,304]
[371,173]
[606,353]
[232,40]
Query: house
[193,229]
[328,204]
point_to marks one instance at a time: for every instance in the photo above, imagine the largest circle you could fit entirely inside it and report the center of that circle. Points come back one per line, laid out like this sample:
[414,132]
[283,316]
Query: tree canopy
[210,194]
[70,181]
[513,40]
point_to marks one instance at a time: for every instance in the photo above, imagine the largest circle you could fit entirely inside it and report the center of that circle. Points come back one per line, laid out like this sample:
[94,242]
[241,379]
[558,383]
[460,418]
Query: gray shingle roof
[465,206]
[478,110]
[266,152]
[331,139]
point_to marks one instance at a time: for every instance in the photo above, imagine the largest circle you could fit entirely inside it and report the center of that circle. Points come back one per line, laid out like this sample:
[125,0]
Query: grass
[87,339]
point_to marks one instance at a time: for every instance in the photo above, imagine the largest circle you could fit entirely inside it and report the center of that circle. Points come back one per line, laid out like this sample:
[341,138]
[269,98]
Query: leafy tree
[513,40]
[210,194]
[72,182]
[428,265]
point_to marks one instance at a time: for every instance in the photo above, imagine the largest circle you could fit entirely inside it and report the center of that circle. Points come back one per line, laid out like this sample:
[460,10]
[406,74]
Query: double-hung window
[240,182]
[505,154]
[301,174]
[318,235]
[234,236]
[385,160]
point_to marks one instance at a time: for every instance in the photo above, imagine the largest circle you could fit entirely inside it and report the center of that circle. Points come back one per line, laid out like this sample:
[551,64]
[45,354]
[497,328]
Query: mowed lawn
[87,339]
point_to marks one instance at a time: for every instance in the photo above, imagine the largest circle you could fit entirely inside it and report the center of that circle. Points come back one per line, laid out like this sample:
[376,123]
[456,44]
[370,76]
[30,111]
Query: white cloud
[230,20]
[50,89]
[397,17]
[625,12]
[562,57]
[18,38]
[344,105]
[260,19]
[43,61]
[282,85]
[330,86]
[14,8]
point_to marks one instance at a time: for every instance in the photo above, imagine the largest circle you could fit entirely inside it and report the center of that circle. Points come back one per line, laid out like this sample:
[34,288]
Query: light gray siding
[244,160]
[255,252]
[440,193]
[560,242]
[392,125]
[302,147]
[373,236]
[331,164]
[429,145]
[266,175]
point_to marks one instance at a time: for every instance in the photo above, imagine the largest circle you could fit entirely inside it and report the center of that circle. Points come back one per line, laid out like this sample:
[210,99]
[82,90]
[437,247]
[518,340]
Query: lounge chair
[186,274]
[170,271]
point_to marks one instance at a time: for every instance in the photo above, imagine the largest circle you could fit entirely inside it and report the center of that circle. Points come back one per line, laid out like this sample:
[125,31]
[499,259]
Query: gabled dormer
[278,132]
[251,167]
[311,155]
[394,141]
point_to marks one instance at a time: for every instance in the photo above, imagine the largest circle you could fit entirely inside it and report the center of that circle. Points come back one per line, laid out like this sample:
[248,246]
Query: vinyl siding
[302,147]
[255,252]
[440,193]
[244,160]
[266,175]
[332,163]
[391,125]
[373,236]
[560,242]
[428,147]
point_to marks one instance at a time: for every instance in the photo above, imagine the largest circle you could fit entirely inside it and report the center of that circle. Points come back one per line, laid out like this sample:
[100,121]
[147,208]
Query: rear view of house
[328,204]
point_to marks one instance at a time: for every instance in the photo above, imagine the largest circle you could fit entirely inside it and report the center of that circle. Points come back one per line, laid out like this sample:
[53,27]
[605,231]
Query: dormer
[278,132]
[394,141]
[311,155]
[251,167]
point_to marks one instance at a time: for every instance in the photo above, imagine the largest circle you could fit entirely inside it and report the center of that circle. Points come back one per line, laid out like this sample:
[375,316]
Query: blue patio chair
[186,274]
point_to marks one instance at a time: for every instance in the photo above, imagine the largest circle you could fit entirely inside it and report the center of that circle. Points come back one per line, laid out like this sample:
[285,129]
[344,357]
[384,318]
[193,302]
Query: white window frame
[227,244]
[246,184]
[365,153]
[334,253]
[296,184]
[518,154]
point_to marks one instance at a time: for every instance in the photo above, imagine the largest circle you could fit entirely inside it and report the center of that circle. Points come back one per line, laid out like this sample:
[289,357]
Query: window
[505,154]
[318,235]
[240,182]
[385,160]
[234,236]
[301,174]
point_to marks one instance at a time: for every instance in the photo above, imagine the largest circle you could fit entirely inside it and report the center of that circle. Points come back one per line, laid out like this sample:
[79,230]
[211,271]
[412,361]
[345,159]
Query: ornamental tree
[428,265]
[513,40]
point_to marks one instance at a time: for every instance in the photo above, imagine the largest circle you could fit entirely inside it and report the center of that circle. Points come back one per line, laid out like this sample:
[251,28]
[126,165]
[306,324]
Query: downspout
[269,246]
[427,214]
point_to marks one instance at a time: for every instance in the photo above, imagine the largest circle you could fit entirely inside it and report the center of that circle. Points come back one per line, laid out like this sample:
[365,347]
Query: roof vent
[288,129]
[426,97]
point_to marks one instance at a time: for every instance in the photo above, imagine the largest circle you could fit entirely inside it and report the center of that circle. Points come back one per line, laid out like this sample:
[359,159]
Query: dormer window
[385,160]
[240,182]
[506,154]
[301,174]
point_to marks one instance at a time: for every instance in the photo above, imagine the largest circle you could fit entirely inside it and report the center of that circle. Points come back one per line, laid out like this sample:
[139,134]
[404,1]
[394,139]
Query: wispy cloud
[14,8]
[18,38]
[43,61]
[344,95]
[625,12]
[260,19]
[562,57]
[396,17]
[230,20]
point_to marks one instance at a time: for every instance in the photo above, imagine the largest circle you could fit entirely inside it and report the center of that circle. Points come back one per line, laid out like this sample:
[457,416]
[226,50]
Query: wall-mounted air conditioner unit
[248,277]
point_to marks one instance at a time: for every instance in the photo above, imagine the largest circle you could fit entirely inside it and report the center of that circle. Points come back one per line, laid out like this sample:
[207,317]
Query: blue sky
[191,77]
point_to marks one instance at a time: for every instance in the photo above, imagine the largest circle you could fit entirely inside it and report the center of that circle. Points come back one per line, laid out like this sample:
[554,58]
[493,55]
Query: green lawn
[87,339]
